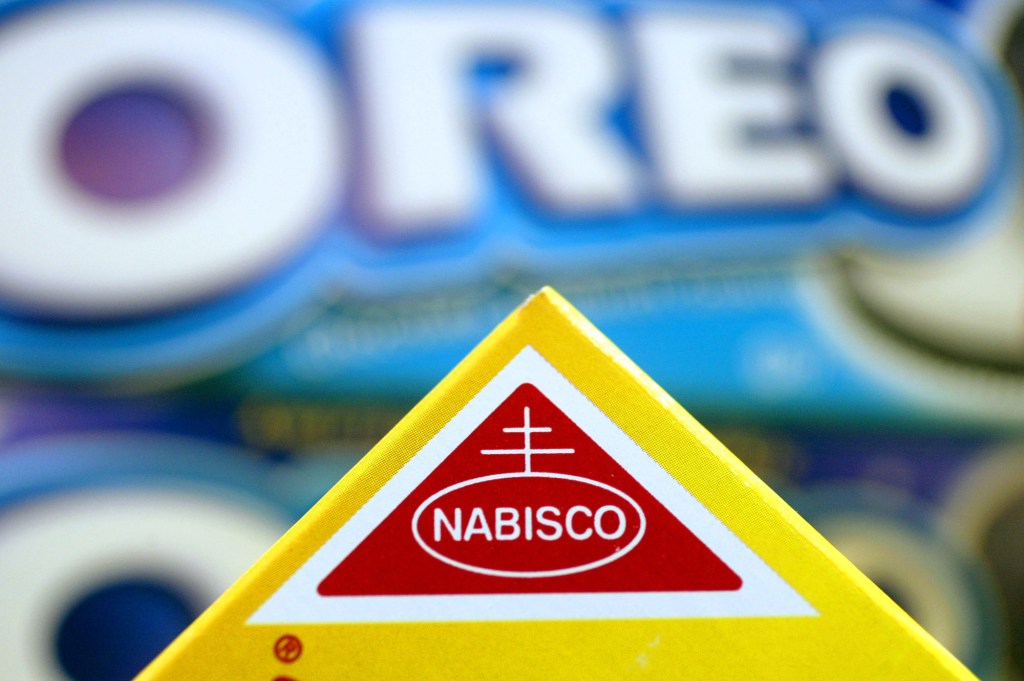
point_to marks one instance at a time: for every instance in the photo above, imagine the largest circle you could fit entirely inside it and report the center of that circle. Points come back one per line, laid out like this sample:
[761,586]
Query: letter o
[277,163]
[598,527]
[935,171]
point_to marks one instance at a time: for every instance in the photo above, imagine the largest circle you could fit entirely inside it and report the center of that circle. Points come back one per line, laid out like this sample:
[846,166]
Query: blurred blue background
[240,239]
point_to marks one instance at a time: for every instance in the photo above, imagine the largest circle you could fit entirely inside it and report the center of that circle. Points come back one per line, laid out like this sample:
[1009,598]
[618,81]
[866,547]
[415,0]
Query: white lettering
[599,525]
[554,527]
[425,142]
[506,523]
[939,167]
[266,185]
[572,513]
[510,524]
[718,102]
[703,112]
[477,525]
[454,529]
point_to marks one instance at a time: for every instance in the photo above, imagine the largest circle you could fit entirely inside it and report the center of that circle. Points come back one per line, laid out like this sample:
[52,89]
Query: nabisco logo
[528,524]
[530,503]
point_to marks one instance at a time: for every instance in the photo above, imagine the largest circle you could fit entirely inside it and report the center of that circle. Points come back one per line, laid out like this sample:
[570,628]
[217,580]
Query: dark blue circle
[116,630]
[908,110]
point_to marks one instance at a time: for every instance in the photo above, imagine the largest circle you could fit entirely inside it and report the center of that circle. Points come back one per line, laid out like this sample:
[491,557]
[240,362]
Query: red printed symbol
[602,523]
[288,648]
[528,503]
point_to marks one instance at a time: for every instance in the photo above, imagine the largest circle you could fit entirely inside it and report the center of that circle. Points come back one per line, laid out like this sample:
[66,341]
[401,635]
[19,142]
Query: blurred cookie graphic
[965,301]
[114,542]
[985,510]
[897,543]
[947,322]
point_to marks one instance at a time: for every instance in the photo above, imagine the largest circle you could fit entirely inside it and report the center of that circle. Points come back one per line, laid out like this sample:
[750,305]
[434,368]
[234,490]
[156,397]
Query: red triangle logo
[528,503]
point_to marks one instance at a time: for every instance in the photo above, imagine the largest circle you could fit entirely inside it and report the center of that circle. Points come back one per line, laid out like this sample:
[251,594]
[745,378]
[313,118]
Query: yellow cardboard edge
[860,632]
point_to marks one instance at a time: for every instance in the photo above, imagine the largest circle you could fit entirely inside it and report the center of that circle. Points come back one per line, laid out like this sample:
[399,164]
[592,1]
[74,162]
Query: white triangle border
[763,593]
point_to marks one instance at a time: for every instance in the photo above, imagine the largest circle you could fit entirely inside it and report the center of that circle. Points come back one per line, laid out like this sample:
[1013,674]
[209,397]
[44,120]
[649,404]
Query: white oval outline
[519,573]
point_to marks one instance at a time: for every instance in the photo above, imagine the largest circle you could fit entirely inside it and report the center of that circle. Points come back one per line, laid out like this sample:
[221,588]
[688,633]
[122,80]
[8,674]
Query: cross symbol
[526,429]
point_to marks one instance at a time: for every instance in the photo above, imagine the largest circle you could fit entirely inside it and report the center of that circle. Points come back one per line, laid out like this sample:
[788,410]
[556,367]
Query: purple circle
[134,143]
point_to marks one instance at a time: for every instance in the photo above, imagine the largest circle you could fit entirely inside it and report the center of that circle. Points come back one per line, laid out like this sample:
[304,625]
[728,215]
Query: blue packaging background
[260,398]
